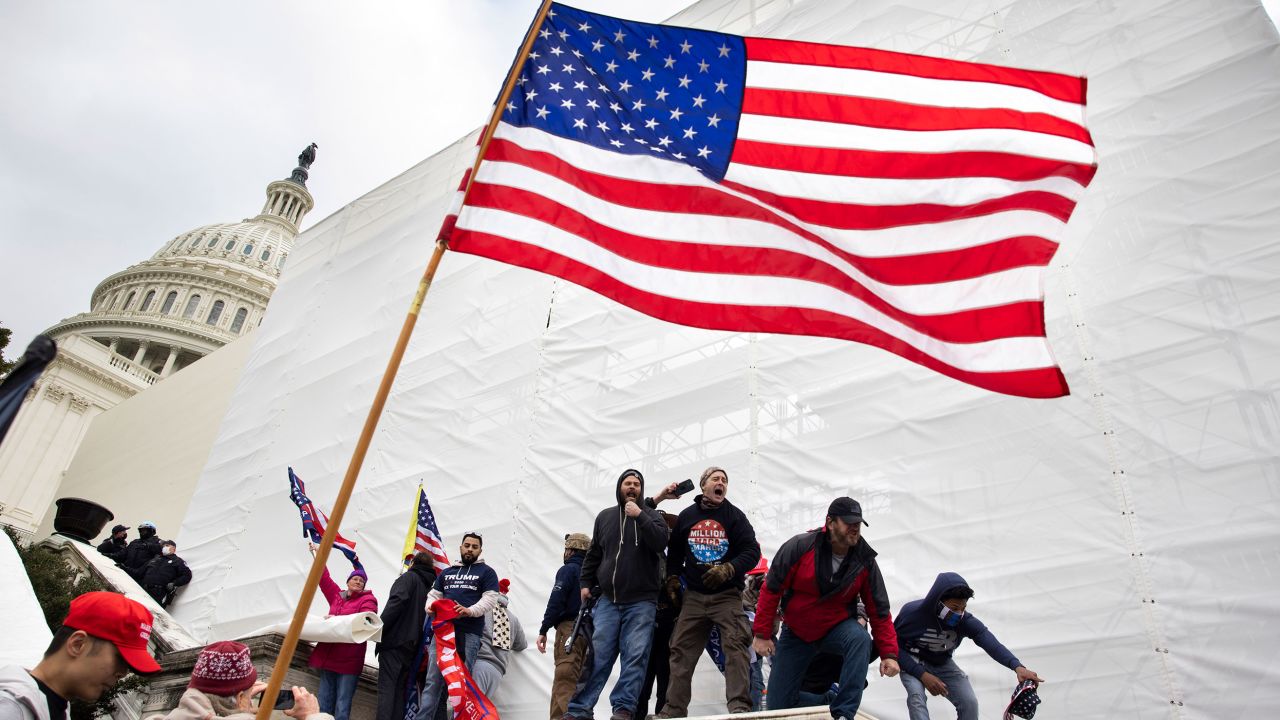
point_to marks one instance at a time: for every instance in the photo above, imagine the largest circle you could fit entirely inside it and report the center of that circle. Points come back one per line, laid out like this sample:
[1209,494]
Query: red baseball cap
[115,618]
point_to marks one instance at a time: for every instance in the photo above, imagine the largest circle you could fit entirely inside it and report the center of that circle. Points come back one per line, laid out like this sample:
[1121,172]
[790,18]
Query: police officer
[165,573]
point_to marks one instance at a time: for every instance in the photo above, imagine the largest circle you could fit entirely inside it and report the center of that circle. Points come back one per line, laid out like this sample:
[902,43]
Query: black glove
[169,587]
[717,576]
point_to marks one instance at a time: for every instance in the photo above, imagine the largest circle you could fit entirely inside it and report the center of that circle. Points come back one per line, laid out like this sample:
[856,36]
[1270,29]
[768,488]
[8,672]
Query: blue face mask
[949,617]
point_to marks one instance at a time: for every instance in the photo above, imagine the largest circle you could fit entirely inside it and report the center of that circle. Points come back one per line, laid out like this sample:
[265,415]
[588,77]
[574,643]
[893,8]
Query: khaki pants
[689,642]
[568,669]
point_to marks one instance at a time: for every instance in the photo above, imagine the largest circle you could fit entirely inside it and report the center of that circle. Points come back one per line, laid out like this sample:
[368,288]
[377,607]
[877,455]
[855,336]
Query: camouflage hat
[577,541]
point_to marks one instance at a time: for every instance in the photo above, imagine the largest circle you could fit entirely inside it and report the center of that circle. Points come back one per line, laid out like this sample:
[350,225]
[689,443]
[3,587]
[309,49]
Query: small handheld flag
[314,520]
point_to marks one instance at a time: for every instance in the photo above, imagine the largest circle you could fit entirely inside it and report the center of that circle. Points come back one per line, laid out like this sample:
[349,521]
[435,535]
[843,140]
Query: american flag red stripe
[905,202]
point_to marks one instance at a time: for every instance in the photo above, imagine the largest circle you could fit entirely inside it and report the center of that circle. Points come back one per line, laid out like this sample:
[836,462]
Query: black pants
[159,594]
[393,677]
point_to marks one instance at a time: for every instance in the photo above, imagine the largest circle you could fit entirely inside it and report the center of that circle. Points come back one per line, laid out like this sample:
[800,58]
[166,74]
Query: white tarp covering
[1122,541]
[26,633]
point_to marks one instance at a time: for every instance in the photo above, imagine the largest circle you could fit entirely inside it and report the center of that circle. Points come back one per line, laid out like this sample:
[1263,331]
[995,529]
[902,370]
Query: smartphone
[284,701]
[684,487]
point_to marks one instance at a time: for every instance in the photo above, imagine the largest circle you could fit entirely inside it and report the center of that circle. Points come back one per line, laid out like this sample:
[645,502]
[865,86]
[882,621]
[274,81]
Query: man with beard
[472,586]
[821,575]
[712,548]
[622,564]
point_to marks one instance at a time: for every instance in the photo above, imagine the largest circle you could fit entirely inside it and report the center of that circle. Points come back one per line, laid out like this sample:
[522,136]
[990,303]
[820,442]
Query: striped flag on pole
[761,185]
[423,535]
[314,520]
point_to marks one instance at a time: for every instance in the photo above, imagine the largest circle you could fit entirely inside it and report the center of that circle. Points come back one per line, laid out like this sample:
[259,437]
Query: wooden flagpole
[290,644]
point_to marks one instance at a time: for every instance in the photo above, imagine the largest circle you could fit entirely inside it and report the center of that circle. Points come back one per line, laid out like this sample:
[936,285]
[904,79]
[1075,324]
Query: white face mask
[167,550]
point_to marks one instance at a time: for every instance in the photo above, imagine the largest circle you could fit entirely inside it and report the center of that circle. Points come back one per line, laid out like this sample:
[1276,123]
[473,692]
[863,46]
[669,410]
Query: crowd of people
[152,562]
[648,591]
[659,587]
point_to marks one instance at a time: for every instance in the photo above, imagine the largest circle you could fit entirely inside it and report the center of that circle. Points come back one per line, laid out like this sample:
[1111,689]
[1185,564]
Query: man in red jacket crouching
[817,578]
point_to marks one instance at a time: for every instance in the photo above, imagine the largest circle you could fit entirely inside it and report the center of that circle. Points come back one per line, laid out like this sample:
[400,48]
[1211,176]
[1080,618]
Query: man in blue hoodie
[929,630]
[562,611]
[622,564]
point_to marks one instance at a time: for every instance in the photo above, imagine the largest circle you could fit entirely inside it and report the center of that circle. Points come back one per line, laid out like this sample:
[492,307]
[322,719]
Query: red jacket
[344,658]
[794,586]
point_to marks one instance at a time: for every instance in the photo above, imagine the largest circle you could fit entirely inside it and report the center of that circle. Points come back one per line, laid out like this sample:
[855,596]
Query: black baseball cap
[118,528]
[848,510]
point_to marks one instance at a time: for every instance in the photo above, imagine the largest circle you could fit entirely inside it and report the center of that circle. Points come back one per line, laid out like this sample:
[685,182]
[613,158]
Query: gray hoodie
[20,697]
[498,656]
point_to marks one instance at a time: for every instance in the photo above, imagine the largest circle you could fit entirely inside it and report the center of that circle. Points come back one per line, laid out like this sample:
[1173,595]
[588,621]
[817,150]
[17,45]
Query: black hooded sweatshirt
[625,552]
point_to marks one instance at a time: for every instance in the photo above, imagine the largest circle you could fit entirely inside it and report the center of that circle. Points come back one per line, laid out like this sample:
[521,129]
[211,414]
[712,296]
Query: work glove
[717,576]
[673,588]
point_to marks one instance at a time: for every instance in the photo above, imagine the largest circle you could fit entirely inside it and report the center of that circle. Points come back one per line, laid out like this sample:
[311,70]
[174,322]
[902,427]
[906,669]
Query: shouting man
[622,564]
[712,549]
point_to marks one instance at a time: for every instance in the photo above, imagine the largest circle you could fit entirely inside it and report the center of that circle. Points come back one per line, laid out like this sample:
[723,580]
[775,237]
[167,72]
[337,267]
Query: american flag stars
[653,91]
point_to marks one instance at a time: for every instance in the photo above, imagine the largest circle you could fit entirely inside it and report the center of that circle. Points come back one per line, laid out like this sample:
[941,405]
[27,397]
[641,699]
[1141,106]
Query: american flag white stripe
[909,203]
[887,191]
[905,88]
[816,133]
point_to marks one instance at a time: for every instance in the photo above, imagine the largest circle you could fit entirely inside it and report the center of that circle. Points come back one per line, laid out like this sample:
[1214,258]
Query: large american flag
[426,535]
[752,184]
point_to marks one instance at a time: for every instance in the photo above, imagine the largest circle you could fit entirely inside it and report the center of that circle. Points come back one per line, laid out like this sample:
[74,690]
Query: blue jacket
[924,639]
[565,600]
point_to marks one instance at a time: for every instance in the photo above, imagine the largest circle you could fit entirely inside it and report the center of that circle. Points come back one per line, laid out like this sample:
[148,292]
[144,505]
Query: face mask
[167,551]
[949,617]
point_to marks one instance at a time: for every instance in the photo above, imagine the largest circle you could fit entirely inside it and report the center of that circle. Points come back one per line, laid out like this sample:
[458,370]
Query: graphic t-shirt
[708,541]
[705,537]
[465,585]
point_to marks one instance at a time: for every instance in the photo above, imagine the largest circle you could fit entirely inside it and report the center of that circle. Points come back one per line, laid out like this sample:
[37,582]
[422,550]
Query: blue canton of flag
[634,88]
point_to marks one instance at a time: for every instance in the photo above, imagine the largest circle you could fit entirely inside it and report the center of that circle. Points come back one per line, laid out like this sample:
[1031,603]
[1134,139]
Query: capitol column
[168,364]
[143,346]
[115,342]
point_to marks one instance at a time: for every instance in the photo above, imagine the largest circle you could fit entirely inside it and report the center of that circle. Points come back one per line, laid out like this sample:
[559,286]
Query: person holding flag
[404,629]
[340,663]
[470,588]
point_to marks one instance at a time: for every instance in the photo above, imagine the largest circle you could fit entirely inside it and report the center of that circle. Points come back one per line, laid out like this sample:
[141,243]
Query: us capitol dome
[200,291]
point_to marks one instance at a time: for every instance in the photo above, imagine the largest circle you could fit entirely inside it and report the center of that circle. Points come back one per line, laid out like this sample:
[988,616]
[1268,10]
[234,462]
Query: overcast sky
[124,124]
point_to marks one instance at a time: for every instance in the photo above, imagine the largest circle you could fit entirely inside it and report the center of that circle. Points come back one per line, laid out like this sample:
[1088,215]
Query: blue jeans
[959,691]
[335,693]
[628,627]
[434,692]
[791,660]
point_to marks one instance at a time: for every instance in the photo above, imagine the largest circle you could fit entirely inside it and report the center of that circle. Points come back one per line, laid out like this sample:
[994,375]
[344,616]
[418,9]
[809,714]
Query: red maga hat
[120,621]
